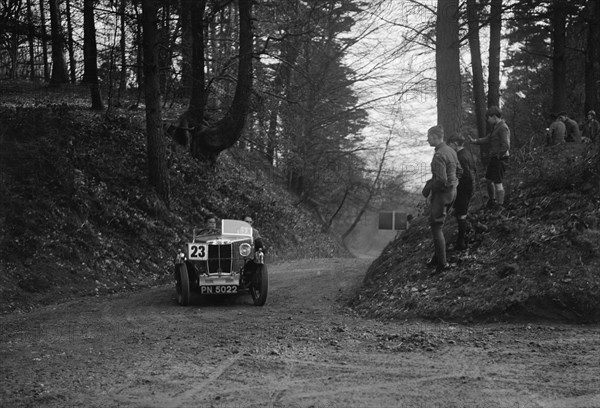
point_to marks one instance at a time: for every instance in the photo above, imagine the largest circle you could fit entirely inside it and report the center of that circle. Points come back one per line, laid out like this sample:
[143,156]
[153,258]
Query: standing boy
[465,188]
[557,131]
[445,170]
[499,142]
[573,132]
[591,128]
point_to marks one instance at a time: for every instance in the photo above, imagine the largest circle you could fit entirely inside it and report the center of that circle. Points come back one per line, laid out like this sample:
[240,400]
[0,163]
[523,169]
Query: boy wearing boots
[445,170]
[499,143]
[464,191]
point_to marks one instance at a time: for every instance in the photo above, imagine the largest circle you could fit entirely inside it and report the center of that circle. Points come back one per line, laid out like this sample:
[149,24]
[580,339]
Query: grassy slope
[77,217]
[538,258]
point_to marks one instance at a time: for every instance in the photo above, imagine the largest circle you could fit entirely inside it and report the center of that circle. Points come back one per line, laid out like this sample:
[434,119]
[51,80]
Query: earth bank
[537,258]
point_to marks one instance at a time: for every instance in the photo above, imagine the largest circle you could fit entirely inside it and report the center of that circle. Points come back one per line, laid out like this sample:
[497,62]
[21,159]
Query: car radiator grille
[219,258]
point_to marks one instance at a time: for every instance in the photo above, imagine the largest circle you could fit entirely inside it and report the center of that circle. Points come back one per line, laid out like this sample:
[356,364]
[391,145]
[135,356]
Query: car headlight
[245,249]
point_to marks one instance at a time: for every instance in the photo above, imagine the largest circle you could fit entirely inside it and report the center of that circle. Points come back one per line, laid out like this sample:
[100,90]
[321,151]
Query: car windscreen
[236,228]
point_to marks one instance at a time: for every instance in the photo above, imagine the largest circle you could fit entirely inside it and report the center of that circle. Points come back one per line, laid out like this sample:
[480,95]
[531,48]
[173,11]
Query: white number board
[197,252]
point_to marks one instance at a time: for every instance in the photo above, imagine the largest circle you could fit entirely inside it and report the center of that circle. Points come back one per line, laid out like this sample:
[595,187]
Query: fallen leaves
[541,249]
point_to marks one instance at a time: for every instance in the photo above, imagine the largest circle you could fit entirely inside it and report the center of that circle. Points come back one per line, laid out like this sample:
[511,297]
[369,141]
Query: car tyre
[260,285]
[182,284]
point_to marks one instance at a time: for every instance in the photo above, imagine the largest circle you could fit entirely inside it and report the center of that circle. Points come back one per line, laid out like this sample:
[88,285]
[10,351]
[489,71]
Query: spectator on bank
[445,170]
[499,143]
[464,191]
[409,219]
[573,134]
[557,131]
[591,128]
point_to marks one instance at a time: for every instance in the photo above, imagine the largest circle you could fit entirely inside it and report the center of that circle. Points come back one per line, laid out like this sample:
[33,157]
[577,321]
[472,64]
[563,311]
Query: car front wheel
[260,285]
[182,284]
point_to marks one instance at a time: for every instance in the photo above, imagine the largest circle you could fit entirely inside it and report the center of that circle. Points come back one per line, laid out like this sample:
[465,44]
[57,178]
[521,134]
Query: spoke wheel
[182,284]
[260,285]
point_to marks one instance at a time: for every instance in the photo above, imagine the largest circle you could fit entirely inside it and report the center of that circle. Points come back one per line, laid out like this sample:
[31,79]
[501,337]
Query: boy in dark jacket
[499,143]
[464,191]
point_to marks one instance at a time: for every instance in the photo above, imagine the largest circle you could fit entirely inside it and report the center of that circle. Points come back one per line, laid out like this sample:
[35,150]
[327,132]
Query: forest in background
[209,102]
[294,80]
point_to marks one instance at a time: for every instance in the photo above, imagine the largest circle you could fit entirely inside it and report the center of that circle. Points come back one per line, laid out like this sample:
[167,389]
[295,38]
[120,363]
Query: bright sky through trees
[399,58]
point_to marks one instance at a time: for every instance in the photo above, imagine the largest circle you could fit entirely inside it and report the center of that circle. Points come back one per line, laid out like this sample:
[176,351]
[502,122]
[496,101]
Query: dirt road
[304,348]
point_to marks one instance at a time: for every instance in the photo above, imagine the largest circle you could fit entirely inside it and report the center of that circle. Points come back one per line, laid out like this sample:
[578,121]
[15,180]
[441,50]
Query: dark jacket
[591,130]
[557,132]
[499,140]
[573,133]
[467,163]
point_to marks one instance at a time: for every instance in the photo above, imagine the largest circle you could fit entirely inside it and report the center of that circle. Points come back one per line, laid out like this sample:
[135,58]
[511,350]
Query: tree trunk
[70,46]
[494,57]
[44,42]
[449,97]
[30,40]
[186,46]
[123,53]
[163,51]
[327,227]
[559,63]
[475,48]
[272,133]
[592,57]
[59,65]
[198,98]
[139,41]
[157,162]
[90,54]
[13,52]
[208,142]
[281,82]
[376,181]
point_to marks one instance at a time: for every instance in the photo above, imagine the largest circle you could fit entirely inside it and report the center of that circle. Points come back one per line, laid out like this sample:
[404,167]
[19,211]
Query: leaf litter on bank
[536,258]
[77,217]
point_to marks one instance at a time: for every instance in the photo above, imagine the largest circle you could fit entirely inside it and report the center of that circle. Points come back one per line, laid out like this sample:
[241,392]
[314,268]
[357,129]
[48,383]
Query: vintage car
[222,262]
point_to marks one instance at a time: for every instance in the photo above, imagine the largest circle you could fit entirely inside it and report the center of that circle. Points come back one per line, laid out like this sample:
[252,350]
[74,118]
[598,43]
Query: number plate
[218,290]
[197,252]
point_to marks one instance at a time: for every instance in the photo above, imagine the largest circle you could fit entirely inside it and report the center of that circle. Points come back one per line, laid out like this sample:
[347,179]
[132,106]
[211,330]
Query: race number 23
[197,252]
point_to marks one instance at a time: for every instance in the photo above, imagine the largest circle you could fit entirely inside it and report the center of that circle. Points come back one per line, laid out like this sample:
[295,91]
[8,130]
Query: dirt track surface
[304,348]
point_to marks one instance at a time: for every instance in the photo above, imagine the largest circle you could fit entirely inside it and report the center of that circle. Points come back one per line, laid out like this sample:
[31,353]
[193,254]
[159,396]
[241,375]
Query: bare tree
[30,40]
[494,53]
[372,189]
[59,65]
[198,98]
[476,65]
[157,162]
[70,44]
[447,58]
[592,55]
[139,48]
[90,54]
[209,140]
[122,51]
[185,17]
[280,84]
[559,45]
[44,36]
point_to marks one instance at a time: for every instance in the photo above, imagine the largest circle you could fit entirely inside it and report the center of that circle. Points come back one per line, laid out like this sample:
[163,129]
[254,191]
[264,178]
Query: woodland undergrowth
[78,218]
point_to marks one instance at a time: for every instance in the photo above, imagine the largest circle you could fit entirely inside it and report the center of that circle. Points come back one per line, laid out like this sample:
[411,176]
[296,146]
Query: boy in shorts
[499,144]
[465,188]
